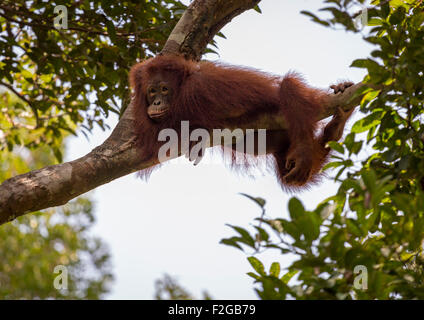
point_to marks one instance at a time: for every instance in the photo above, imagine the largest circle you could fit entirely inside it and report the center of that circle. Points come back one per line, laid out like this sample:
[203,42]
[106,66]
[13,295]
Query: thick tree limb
[199,24]
[118,155]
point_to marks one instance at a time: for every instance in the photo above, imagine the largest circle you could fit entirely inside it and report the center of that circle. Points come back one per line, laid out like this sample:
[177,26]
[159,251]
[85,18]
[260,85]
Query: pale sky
[173,223]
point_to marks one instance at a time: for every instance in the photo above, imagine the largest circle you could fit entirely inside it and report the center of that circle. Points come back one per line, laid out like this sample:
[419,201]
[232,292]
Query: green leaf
[246,238]
[231,242]
[333,164]
[403,202]
[257,9]
[274,270]
[370,96]
[262,234]
[398,16]
[257,265]
[310,225]
[287,277]
[354,228]
[315,18]
[111,30]
[368,122]
[369,178]
[254,276]
[296,209]
[336,146]
[375,22]
[259,201]
[290,228]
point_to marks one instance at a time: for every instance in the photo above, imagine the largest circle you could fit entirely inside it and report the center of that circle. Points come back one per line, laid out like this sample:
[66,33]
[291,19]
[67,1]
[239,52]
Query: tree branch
[199,24]
[118,155]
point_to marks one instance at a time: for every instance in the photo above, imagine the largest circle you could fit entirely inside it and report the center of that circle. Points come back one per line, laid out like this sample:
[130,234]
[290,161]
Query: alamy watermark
[61,20]
[194,144]
[361,280]
[61,281]
[361,20]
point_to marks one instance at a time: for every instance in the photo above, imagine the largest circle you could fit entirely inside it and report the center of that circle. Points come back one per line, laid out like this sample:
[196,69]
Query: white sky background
[173,223]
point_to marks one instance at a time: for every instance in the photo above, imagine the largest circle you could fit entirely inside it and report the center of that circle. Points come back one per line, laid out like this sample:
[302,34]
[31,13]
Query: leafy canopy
[32,246]
[376,219]
[72,78]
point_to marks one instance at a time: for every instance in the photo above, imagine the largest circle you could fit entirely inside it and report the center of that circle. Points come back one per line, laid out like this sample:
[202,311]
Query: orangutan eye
[164,89]
[152,90]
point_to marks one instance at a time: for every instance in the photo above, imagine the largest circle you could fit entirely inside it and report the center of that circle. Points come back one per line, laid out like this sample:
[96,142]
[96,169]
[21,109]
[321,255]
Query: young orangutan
[169,89]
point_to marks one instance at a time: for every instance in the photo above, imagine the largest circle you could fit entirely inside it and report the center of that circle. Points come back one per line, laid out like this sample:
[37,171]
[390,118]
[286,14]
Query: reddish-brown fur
[212,95]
